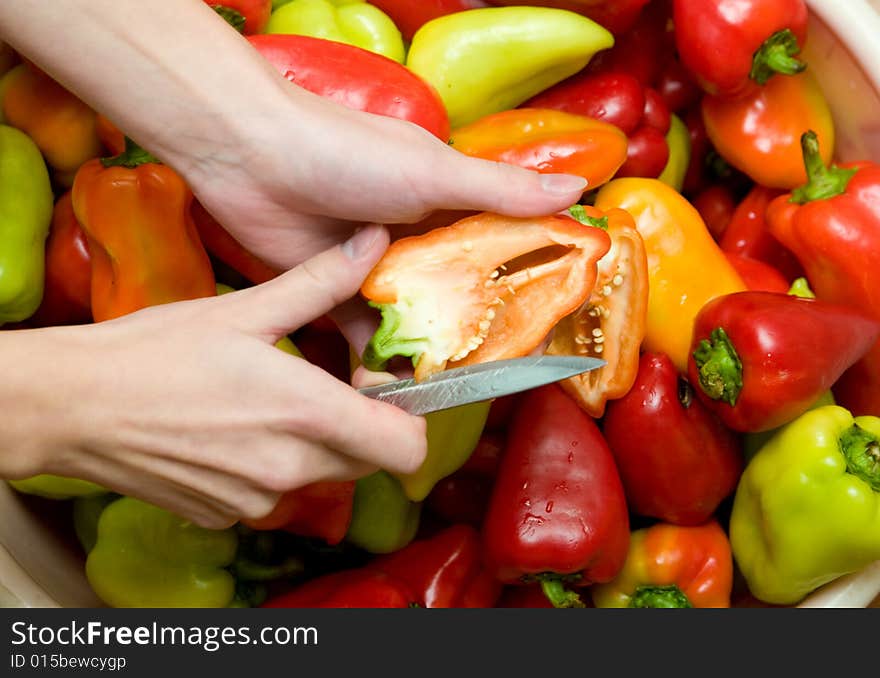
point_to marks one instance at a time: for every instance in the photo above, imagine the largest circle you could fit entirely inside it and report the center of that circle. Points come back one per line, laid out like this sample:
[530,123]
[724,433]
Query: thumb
[313,288]
[485,185]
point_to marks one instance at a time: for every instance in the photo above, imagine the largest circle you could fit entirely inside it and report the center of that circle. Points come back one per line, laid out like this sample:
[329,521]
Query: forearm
[170,73]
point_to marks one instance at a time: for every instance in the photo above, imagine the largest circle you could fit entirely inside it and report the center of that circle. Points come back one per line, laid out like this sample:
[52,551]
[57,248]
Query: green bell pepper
[86,512]
[383,520]
[57,487]
[679,141]
[807,507]
[26,204]
[452,436]
[145,556]
[351,21]
[488,60]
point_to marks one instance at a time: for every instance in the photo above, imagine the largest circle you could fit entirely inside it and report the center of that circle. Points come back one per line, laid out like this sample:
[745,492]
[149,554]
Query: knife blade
[483,381]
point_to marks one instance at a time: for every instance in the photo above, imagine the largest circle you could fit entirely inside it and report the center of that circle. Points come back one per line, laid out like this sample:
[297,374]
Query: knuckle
[258,504]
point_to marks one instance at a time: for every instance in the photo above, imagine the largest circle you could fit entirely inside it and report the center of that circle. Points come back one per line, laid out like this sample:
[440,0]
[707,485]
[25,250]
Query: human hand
[191,407]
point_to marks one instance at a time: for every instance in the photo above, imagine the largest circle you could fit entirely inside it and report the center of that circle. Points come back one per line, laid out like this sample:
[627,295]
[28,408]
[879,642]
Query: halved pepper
[546,140]
[686,268]
[123,203]
[62,126]
[669,566]
[349,21]
[487,287]
[807,509]
[611,324]
[26,205]
[483,61]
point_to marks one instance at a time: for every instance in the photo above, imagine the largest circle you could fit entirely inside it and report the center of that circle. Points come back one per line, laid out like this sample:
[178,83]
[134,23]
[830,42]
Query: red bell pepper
[224,247]
[758,275]
[443,570]
[619,99]
[677,86]
[67,290]
[486,288]
[355,78]
[546,140]
[735,46]
[557,514]
[617,16]
[697,177]
[319,510]
[410,15]
[716,204]
[355,588]
[677,461]
[246,16]
[760,359]
[464,496]
[530,595]
[832,224]
[748,235]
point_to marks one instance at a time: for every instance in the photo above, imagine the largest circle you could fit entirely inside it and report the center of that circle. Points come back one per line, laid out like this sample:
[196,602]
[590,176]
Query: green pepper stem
[133,156]
[776,55]
[557,594]
[801,288]
[668,597]
[720,367]
[862,452]
[233,17]
[579,213]
[823,182]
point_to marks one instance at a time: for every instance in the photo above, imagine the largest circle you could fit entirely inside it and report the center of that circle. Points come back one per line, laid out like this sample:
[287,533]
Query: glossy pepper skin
[611,324]
[355,588]
[676,459]
[356,78]
[26,206]
[246,16]
[669,566]
[760,359]
[807,509]
[832,225]
[546,140]
[67,297]
[686,268]
[733,47]
[356,23]
[459,275]
[557,512]
[319,510]
[616,15]
[122,203]
[759,134]
[758,275]
[61,125]
[483,61]
[452,436]
[145,556]
[383,519]
[678,140]
[444,570]
[409,15]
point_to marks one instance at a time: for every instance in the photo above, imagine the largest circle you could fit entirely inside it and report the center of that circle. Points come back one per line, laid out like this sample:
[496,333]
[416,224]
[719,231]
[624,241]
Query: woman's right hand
[191,407]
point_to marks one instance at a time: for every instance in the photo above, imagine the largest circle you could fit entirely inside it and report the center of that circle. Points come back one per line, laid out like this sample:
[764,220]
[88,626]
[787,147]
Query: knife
[483,381]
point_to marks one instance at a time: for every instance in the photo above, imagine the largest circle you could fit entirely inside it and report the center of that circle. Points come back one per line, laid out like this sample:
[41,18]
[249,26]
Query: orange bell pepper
[611,325]
[760,134]
[546,140]
[686,267]
[487,287]
[144,245]
[62,126]
[672,566]
[109,134]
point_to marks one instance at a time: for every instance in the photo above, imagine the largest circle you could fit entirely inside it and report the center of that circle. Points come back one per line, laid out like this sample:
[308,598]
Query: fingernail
[361,242]
[562,184]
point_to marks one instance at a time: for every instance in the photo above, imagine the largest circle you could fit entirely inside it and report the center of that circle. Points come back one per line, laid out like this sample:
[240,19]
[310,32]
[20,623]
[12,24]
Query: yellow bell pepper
[484,61]
[350,21]
[686,267]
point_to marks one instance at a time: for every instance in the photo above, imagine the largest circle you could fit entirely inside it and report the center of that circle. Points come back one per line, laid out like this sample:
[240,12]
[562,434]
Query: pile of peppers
[721,261]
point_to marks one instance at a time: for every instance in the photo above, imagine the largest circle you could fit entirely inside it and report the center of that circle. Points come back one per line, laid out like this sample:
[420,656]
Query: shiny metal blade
[484,381]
